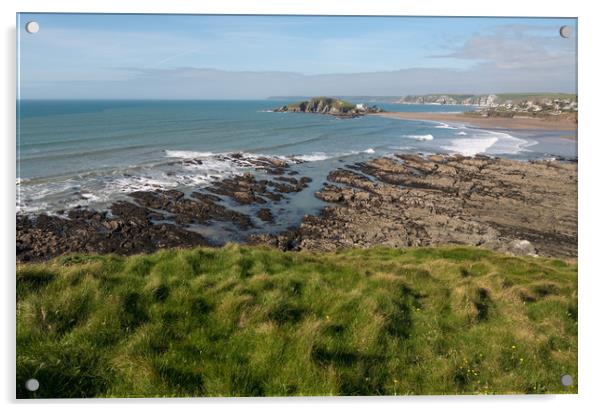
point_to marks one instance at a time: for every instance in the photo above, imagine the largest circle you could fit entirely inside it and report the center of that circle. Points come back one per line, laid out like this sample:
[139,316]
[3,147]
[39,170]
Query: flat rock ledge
[522,208]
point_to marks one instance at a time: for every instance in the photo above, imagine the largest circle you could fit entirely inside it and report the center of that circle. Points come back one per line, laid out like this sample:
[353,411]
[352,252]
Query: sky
[113,56]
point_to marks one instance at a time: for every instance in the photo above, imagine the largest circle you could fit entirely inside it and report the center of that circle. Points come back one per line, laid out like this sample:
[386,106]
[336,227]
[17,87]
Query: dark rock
[246,189]
[287,240]
[44,237]
[265,215]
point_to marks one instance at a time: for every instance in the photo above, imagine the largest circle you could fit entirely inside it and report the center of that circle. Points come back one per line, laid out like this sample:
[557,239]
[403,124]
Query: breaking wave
[183,154]
[319,156]
[471,146]
[488,142]
[421,137]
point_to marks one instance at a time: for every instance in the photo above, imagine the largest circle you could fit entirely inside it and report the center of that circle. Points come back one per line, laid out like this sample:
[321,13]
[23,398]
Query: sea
[91,153]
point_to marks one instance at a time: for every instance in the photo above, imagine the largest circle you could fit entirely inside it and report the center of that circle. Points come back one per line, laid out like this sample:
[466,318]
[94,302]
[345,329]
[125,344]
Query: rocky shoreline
[156,219]
[504,205]
[398,201]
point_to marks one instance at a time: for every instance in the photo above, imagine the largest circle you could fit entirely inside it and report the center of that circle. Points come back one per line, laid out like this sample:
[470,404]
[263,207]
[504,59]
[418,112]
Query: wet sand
[519,123]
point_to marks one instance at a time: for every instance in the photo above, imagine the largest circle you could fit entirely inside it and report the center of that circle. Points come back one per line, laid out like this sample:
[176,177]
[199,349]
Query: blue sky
[187,56]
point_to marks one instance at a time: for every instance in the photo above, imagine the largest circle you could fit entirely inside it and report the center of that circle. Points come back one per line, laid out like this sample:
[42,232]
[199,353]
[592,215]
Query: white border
[590,152]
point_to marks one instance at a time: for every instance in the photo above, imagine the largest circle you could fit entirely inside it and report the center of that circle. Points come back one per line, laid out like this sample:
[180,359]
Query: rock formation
[505,205]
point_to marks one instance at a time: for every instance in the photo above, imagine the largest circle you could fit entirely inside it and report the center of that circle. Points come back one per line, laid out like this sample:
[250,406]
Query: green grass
[243,321]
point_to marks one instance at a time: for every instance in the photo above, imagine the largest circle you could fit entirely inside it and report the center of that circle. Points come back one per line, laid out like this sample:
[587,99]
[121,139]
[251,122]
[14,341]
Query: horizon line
[283,97]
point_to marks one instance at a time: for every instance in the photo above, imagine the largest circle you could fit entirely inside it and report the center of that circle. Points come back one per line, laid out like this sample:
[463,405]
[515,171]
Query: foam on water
[508,144]
[471,146]
[314,157]
[488,142]
[93,189]
[444,126]
[185,154]
[320,156]
[103,188]
[421,137]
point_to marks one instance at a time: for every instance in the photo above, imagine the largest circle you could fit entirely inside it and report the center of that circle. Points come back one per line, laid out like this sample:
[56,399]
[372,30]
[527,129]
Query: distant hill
[490,100]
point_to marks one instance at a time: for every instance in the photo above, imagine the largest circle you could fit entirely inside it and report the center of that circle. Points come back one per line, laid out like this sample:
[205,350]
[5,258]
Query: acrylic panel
[214,205]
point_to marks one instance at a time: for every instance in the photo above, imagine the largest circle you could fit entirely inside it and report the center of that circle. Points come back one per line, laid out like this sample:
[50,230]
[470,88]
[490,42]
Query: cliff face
[329,105]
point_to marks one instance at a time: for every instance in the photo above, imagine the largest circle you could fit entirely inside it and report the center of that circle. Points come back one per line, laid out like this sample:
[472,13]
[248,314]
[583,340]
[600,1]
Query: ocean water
[90,153]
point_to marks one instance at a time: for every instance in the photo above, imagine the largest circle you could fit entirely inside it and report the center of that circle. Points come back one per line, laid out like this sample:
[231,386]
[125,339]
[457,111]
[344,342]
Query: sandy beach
[490,122]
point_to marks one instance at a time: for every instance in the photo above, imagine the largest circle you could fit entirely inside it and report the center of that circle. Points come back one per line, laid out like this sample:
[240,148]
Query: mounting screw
[32,385]
[32,27]
[565,31]
[566,380]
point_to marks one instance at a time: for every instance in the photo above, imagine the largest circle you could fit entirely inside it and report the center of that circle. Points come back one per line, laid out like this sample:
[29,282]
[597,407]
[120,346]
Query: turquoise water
[92,152]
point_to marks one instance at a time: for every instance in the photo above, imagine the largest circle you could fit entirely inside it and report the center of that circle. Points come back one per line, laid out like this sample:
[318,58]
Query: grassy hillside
[242,321]
[535,96]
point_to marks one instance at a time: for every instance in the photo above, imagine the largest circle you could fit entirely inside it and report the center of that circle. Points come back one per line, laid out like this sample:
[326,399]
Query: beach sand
[490,122]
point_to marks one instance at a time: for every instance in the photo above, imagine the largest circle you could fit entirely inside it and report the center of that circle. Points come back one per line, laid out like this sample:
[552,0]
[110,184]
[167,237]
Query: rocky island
[331,106]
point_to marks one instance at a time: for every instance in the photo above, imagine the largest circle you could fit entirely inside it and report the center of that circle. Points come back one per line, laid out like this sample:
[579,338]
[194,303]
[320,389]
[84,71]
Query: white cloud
[519,46]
